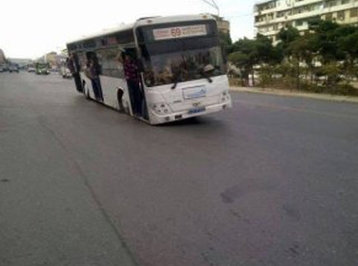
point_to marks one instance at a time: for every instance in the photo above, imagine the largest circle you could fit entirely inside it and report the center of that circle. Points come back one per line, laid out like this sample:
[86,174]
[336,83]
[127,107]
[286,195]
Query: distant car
[13,69]
[65,72]
[3,68]
[31,69]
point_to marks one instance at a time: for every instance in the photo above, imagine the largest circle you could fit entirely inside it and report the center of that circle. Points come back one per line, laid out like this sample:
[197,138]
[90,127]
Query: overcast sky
[31,28]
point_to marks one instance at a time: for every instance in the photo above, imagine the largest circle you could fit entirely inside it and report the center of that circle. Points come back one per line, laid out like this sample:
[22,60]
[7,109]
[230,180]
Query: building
[2,57]
[51,58]
[272,15]
[21,62]
[223,25]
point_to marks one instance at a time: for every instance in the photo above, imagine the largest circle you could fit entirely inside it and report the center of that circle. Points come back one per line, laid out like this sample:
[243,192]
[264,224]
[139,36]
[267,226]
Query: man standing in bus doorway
[93,72]
[74,67]
[131,72]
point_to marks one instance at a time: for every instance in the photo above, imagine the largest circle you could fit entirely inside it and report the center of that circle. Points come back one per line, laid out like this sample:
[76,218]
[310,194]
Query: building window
[299,23]
[354,12]
[329,17]
[341,15]
[330,3]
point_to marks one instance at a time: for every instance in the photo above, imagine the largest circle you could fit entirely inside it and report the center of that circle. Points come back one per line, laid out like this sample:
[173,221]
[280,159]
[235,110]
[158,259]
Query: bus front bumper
[197,111]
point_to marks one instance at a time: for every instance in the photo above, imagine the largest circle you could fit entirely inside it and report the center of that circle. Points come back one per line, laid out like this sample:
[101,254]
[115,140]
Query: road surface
[272,181]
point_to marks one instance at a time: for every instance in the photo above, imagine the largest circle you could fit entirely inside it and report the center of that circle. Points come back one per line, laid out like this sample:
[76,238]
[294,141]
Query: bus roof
[143,22]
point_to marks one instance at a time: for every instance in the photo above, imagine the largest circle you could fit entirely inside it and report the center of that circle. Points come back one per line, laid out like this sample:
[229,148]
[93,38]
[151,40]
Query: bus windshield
[172,60]
[42,65]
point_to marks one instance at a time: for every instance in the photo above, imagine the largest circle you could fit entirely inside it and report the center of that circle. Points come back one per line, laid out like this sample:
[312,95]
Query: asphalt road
[272,181]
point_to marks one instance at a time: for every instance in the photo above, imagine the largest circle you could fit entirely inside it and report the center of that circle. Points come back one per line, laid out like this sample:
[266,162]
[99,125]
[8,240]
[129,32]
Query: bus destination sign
[179,32]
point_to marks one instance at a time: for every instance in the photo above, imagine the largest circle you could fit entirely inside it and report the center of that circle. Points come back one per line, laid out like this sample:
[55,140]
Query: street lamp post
[213,4]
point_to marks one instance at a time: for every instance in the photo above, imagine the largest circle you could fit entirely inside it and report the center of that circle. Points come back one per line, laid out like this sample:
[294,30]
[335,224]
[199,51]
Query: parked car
[14,68]
[31,69]
[3,68]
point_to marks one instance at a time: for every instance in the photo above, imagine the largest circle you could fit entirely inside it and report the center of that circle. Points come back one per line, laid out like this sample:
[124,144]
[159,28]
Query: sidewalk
[327,97]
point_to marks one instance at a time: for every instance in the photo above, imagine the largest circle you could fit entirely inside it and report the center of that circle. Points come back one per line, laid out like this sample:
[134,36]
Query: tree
[325,39]
[244,63]
[288,35]
[247,53]
[348,44]
[225,42]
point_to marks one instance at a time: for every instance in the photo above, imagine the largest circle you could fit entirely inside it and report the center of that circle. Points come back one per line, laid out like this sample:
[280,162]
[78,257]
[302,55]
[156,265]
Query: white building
[2,57]
[272,15]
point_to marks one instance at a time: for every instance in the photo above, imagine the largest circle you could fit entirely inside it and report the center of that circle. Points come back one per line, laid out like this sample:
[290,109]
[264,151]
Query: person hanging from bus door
[131,72]
[92,72]
[98,71]
[74,67]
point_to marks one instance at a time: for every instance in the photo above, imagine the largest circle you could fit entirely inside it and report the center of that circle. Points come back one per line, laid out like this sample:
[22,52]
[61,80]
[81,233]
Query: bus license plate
[196,110]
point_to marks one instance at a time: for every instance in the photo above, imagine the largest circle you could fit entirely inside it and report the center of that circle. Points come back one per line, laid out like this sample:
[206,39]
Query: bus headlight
[161,108]
[225,96]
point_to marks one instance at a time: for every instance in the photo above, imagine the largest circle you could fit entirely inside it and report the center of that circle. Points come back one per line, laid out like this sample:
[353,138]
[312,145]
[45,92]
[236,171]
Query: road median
[293,93]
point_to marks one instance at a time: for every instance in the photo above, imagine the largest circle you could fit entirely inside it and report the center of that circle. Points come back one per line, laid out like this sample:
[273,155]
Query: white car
[65,72]
[31,69]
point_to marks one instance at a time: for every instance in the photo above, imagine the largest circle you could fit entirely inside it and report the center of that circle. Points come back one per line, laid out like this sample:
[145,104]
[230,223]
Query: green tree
[325,41]
[244,63]
[287,35]
[302,52]
[248,53]
[225,42]
[348,44]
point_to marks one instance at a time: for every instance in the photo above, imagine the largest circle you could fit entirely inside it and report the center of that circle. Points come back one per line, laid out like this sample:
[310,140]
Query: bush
[345,89]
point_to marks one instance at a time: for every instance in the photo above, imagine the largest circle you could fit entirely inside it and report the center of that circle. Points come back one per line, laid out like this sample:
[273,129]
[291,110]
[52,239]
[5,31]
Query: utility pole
[213,4]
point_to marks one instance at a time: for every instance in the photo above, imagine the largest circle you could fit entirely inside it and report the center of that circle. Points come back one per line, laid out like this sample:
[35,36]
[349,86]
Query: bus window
[110,62]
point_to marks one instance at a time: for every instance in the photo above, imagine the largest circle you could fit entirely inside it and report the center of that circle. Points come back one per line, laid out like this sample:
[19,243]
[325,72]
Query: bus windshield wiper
[202,73]
[175,82]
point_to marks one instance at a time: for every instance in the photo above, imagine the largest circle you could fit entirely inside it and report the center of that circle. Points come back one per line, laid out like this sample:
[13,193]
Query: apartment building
[223,25]
[272,15]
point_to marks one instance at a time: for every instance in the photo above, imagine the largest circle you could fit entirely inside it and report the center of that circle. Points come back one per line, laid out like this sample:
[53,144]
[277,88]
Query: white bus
[181,67]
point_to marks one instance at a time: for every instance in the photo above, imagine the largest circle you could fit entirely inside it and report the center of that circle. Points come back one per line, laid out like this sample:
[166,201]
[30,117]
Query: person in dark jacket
[131,72]
[74,67]
[93,70]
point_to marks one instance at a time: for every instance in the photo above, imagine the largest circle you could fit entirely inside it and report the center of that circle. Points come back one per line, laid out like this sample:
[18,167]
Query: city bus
[42,68]
[181,68]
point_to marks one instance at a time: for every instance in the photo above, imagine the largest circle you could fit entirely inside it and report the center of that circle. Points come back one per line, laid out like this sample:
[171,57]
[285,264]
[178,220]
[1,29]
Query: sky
[31,28]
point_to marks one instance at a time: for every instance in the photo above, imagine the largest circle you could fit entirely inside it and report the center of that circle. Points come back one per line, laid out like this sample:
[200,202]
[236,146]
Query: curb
[326,97]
